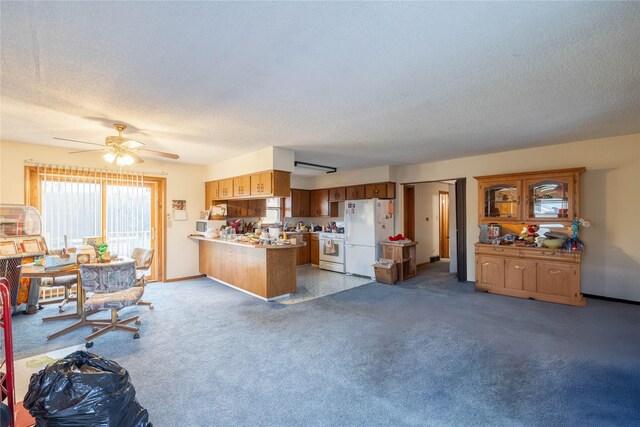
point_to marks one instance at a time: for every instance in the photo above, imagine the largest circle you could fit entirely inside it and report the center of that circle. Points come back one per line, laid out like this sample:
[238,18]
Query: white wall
[266,159]
[427,214]
[184,182]
[353,177]
[609,199]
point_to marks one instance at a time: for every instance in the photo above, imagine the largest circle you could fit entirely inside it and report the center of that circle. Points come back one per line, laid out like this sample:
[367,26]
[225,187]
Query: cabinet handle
[519,267]
[555,271]
[547,253]
[498,250]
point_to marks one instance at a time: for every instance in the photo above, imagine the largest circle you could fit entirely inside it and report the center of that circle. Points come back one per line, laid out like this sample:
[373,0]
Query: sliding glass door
[76,203]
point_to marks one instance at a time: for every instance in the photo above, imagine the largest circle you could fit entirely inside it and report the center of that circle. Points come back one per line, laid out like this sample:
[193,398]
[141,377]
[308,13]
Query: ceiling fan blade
[84,151]
[82,142]
[159,153]
[135,157]
[132,144]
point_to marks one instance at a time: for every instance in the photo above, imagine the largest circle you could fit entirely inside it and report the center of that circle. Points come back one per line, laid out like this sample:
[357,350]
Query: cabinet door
[557,278]
[337,194]
[241,186]
[261,183]
[315,249]
[520,274]
[489,272]
[210,193]
[256,208]
[499,200]
[355,192]
[225,188]
[549,199]
[299,203]
[319,203]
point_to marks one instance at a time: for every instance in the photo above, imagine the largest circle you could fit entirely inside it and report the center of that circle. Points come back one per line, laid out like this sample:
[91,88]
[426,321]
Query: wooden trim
[179,279]
[443,226]
[409,211]
[521,174]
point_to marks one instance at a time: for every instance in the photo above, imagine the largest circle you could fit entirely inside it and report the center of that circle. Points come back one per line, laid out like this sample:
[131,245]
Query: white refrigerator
[366,223]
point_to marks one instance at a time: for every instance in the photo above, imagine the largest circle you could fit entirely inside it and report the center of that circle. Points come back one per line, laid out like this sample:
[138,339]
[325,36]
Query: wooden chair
[143,259]
[113,287]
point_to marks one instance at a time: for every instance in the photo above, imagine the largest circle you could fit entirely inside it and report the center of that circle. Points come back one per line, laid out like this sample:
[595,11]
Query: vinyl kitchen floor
[313,283]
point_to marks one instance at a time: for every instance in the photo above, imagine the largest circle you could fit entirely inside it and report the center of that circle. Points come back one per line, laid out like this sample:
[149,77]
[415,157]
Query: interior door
[444,224]
[409,210]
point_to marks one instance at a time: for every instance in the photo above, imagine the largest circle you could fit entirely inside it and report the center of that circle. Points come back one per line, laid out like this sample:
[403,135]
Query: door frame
[442,230]
[461,221]
[409,211]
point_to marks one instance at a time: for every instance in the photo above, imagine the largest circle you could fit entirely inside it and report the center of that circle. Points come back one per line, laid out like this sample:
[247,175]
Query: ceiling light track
[327,169]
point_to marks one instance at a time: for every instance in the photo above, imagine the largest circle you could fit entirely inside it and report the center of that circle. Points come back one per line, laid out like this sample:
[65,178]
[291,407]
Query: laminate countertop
[247,244]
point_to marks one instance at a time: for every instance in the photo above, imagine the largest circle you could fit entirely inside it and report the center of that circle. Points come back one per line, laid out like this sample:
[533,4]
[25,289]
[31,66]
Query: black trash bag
[84,390]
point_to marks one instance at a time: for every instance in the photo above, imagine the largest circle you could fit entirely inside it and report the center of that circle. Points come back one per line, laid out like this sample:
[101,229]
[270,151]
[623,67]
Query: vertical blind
[77,202]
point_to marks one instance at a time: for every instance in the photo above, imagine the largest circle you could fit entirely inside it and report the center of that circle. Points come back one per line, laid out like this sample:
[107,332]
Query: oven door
[336,254]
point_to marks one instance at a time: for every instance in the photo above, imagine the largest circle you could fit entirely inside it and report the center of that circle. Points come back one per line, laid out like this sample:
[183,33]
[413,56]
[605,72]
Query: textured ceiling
[344,84]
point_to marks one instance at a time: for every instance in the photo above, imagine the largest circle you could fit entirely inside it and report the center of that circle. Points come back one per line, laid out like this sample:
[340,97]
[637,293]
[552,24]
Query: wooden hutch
[513,201]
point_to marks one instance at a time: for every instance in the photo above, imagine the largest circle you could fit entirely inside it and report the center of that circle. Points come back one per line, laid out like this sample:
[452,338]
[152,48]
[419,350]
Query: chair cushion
[117,300]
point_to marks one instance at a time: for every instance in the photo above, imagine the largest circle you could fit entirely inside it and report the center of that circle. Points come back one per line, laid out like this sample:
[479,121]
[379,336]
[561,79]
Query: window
[121,206]
[273,211]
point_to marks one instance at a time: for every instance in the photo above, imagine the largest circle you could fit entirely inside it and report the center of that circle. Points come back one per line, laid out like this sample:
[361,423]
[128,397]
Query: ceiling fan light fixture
[109,157]
[125,159]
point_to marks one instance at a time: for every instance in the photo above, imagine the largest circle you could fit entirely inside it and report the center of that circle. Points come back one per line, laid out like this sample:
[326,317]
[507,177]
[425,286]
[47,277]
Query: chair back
[106,278]
[142,258]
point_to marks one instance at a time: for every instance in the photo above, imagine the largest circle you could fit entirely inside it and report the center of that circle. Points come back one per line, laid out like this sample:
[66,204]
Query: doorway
[434,214]
[443,226]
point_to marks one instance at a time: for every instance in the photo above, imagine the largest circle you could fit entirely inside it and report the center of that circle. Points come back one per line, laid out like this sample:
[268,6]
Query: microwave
[202,225]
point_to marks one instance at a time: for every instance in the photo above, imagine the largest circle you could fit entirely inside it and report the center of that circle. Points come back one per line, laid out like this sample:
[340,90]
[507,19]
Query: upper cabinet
[258,185]
[261,183]
[225,189]
[355,192]
[381,190]
[337,194]
[241,186]
[297,204]
[550,198]
[500,199]
[530,197]
[211,190]
[319,203]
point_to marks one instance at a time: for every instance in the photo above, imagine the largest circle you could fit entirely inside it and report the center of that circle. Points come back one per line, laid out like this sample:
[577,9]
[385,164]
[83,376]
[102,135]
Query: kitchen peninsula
[267,272]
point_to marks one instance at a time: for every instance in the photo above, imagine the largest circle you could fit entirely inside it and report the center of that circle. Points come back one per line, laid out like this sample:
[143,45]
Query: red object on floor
[396,237]
[23,417]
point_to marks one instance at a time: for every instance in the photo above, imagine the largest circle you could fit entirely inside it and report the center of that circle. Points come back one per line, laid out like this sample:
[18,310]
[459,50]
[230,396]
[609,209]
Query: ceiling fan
[123,151]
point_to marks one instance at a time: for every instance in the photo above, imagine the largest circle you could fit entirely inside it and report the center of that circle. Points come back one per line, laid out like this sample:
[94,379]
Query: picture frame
[204,215]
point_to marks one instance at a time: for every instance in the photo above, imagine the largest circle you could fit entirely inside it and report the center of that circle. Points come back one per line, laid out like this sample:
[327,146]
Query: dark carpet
[428,352]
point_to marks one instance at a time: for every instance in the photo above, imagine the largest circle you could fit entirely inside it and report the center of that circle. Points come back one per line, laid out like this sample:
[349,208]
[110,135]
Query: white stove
[332,252]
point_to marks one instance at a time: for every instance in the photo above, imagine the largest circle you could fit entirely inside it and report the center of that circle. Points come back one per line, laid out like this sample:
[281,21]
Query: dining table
[40,272]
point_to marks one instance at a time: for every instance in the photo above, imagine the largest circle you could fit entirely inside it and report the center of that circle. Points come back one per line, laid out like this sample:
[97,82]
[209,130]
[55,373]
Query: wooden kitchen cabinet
[337,194]
[303,253]
[242,186]
[225,189]
[355,192]
[256,208]
[528,272]
[261,184]
[319,203]
[530,197]
[297,204]
[211,193]
[381,190]
[236,208]
[315,249]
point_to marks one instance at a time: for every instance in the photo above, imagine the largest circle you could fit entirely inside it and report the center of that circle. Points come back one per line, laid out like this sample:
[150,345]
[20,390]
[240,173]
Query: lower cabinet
[303,254]
[315,249]
[535,273]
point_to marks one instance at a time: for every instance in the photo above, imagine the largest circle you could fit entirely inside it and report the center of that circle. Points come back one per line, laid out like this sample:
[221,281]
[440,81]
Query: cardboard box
[386,273]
